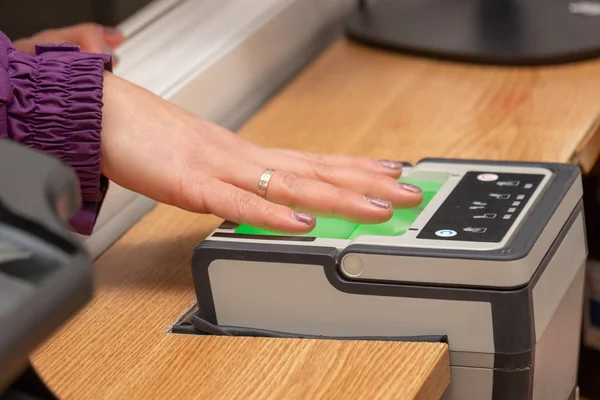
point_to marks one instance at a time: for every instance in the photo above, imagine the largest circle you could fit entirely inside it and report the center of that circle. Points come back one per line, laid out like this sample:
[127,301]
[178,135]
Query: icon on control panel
[528,186]
[475,230]
[445,233]
[508,183]
[500,196]
[485,216]
[477,205]
[487,177]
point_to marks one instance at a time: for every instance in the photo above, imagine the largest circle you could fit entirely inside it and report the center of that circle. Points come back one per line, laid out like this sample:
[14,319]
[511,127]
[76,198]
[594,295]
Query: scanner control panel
[482,207]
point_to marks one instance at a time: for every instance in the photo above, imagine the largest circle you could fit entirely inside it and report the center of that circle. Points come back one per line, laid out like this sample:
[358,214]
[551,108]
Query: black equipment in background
[45,274]
[501,32]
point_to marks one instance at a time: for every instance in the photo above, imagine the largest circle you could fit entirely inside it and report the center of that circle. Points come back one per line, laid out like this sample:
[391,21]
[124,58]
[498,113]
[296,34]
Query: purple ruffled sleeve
[52,101]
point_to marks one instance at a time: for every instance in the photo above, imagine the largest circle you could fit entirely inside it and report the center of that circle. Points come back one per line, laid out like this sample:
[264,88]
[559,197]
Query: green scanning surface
[333,228]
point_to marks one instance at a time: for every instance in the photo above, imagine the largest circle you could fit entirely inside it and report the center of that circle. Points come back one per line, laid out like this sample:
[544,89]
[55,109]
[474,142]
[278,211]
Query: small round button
[352,265]
[446,233]
[487,177]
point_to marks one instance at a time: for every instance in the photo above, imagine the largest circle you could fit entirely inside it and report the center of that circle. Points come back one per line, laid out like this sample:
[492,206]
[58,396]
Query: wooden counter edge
[438,380]
[587,152]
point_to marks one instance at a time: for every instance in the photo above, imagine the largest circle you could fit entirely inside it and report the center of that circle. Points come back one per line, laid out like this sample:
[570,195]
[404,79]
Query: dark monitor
[45,275]
[502,32]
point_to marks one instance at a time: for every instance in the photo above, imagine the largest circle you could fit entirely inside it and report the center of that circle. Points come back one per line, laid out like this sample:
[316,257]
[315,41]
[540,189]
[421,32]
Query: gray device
[45,274]
[494,258]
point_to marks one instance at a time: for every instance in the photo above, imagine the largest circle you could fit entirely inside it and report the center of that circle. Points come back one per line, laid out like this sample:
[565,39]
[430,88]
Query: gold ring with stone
[263,183]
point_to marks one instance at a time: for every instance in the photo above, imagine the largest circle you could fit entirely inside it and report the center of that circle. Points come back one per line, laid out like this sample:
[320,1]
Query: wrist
[25,45]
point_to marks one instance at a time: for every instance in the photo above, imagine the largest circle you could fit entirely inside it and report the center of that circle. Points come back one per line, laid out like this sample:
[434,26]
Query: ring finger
[314,196]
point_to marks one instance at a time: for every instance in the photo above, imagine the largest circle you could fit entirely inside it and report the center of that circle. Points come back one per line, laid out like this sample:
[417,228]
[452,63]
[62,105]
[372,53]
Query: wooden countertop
[352,100]
[357,100]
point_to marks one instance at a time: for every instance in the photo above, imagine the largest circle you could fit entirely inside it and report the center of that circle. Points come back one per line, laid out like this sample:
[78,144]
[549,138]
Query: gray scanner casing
[512,308]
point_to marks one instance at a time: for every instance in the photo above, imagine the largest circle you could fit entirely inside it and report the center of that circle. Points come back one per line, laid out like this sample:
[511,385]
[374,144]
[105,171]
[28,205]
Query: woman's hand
[166,153]
[91,38]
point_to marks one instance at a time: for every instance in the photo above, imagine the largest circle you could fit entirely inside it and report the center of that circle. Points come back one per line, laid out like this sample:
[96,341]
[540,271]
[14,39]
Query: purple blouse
[52,102]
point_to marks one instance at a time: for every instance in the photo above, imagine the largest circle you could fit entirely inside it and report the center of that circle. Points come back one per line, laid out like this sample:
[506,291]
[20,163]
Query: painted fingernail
[391,164]
[305,218]
[410,188]
[379,202]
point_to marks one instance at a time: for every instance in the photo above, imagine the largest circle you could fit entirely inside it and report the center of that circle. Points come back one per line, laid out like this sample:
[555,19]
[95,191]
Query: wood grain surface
[352,100]
[358,100]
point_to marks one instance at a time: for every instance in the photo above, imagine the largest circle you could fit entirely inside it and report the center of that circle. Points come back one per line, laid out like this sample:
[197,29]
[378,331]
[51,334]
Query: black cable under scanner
[203,327]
